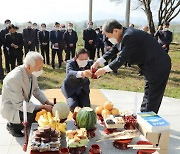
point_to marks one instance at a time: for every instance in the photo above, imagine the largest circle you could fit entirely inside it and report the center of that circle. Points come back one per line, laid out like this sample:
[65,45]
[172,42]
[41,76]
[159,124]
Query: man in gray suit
[29,37]
[18,86]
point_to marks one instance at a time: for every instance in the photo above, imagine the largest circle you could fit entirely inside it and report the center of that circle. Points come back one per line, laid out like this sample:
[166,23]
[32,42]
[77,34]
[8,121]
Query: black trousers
[45,53]
[30,119]
[81,100]
[14,58]
[1,67]
[7,60]
[59,54]
[98,51]
[28,48]
[154,91]
[92,52]
[70,53]
[37,47]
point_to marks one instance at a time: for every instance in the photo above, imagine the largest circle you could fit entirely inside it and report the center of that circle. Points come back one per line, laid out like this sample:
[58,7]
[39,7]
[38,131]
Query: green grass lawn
[126,79]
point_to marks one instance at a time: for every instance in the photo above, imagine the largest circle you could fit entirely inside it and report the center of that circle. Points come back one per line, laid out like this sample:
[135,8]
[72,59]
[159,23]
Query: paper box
[160,139]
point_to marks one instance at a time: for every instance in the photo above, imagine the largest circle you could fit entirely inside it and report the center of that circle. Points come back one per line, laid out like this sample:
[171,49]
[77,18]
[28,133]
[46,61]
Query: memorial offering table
[106,146]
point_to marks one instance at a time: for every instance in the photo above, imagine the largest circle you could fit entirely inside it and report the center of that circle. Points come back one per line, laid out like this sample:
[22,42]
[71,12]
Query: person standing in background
[89,37]
[29,37]
[131,25]
[1,67]
[14,42]
[35,27]
[99,42]
[5,49]
[44,43]
[56,38]
[70,39]
[164,36]
[145,29]
[63,30]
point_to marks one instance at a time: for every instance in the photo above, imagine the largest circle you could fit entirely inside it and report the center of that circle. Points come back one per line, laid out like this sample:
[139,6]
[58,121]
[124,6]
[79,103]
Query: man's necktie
[30,85]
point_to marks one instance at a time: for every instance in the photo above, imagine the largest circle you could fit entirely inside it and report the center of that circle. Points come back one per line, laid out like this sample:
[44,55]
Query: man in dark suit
[14,42]
[140,48]
[1,67]
[99,42]
[107,47]
[44,42]
[56,38]
[164,36]
[29,37]
[70,39]
[89,37]
[76,84]
[3,39]
[35,27]
[63,30]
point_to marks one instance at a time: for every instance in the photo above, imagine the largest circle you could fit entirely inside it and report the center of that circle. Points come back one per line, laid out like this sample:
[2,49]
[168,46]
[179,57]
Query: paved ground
[170,110]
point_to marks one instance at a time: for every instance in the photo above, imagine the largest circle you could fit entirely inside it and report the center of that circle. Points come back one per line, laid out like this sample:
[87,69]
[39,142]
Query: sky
[49,11]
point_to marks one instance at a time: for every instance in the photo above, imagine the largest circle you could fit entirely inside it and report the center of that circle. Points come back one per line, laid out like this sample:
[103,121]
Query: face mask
[70,30]
[57,28]
[90,26]
[82,63]
[113,40]
[70,27]
[7,25]
[35,27]
[43,28]
[38,73]
[29,25]
[165,29]
[97,32]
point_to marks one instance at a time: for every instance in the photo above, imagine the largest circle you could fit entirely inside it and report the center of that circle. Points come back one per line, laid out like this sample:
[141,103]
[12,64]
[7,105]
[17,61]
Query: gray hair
[110,25]
[31,58]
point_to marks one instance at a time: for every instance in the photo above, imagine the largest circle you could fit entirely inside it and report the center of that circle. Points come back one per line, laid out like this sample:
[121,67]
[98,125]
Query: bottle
[54,101]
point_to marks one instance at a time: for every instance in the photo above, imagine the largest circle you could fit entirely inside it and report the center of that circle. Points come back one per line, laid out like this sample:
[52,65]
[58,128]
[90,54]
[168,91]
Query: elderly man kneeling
[18,86]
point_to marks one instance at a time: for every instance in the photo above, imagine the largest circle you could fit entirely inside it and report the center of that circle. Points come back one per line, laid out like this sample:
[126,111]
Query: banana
[40,123]
[64,125]
[45,116]
[50,119]
[61,128]
[43,120]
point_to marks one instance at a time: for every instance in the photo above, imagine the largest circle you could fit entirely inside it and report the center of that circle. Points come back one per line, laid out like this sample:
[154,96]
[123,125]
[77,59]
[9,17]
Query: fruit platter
[113,118]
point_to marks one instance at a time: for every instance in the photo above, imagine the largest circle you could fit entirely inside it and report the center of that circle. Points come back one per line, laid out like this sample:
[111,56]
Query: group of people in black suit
[33,39]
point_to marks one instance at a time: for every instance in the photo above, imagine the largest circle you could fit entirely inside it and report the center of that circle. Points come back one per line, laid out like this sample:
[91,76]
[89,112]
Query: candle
[135,104]
[24,111]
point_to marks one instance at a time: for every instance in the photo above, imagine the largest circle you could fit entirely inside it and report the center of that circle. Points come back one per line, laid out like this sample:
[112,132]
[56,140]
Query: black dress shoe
[14,133]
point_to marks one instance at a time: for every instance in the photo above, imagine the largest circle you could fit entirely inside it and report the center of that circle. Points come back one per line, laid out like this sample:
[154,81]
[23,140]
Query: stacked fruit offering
[46,139]
[107,110]
[45,118]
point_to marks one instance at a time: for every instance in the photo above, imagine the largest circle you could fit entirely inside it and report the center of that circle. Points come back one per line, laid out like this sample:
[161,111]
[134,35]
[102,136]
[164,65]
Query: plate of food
[114,122]
[77,140]
[46,139]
